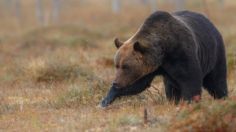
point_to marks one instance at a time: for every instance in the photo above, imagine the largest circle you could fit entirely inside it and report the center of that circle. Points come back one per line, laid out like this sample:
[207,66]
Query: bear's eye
[117,66]
[125,67]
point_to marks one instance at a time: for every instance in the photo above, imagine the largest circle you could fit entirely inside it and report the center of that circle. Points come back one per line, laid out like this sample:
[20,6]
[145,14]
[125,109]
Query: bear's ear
[118,43]
[139,47]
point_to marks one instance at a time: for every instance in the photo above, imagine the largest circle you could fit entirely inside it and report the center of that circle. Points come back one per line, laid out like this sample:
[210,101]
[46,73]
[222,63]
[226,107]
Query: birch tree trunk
[221,3]
[56,6]
[145,2]
[39,12]
[179,5]
[17,9]
[153,5]
[116,5]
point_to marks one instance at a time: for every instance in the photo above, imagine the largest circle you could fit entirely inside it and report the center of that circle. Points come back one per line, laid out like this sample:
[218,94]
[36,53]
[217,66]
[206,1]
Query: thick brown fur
[184,47]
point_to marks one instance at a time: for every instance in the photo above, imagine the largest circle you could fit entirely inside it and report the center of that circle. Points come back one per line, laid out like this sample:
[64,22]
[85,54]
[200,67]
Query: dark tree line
[15,7]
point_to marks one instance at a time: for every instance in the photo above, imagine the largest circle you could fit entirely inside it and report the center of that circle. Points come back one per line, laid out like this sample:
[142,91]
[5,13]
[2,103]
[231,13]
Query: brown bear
[184,47]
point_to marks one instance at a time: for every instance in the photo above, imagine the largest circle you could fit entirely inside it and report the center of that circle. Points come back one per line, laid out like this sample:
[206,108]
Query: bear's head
[145,51]
[132,60]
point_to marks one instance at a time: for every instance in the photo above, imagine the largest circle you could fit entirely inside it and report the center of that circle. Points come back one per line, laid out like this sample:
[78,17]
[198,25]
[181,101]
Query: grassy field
[53,77]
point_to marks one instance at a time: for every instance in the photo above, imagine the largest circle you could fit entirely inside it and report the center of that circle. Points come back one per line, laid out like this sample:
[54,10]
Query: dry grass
[207,116]
[50,70]
[53,78]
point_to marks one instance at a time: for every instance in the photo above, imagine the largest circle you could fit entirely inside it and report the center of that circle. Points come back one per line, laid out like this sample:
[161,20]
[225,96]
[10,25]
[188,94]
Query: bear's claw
[104,103]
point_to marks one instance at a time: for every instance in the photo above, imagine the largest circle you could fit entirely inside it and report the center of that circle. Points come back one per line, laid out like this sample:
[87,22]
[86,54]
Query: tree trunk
[116,4]
[39,12]
[179,5]
[17,9]
[153,5]
[56,6]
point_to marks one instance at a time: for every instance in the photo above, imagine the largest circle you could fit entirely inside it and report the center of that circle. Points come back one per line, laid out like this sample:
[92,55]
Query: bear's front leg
[111,96]
[187,75]
[135,88]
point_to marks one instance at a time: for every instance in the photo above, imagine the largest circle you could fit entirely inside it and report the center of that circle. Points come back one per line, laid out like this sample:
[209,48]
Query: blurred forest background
[56,64]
